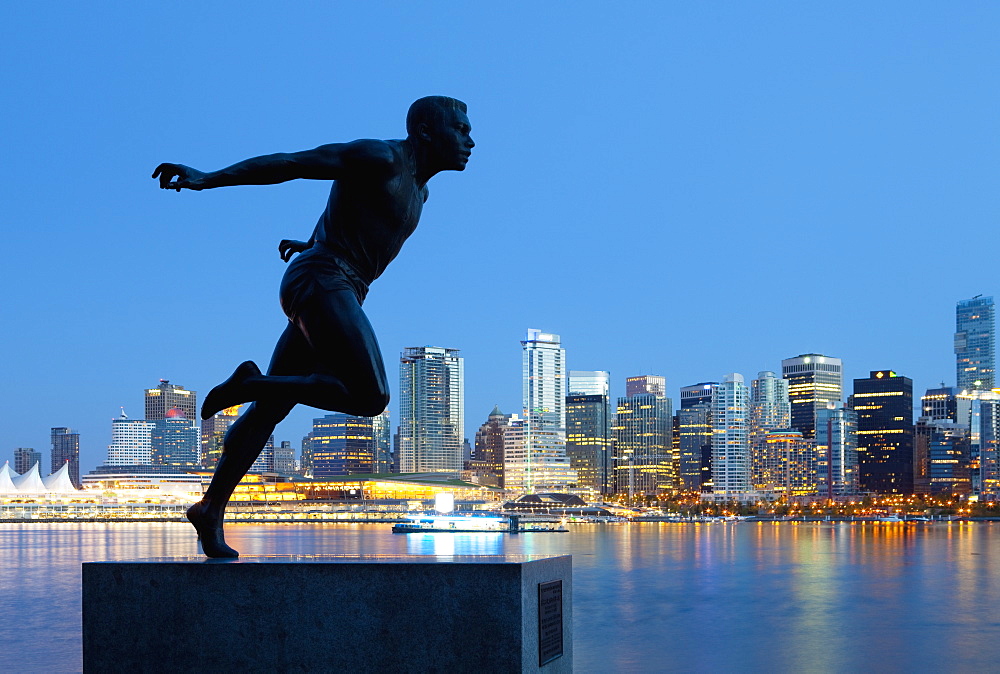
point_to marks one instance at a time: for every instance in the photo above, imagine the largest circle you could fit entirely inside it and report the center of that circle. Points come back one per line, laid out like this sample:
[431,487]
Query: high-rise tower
[643,450]
[213,432]
[837,450]
[694,441]
[975,336]
[884,404]
[770,410]
[131,442]
[166,397]
[25,458]
[813,381]
[588,429]
[66,450]
[730,437]
[431,410]
[543,394]
[342,444]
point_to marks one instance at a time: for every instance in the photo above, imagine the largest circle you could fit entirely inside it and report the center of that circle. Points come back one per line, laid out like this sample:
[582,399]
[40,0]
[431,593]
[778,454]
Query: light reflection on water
[647,597]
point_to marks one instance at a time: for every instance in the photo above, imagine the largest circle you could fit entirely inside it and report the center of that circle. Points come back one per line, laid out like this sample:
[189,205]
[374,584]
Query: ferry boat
[505,524]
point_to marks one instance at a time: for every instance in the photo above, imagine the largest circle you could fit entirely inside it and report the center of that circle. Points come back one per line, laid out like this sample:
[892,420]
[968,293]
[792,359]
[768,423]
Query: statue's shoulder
[374,153]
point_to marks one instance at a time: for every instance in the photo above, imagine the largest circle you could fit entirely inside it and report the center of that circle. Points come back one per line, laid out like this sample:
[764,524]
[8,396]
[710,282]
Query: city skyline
[174,402]
[613,175]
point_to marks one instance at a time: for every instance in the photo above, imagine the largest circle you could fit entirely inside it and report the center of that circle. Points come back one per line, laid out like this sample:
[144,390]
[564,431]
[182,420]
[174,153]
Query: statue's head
[441,125]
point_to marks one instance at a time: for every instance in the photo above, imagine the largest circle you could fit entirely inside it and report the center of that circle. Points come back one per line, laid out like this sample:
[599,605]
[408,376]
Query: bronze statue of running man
[328,356]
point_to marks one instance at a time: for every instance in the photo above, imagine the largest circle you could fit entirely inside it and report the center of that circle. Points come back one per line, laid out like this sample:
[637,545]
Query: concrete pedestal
[329,614]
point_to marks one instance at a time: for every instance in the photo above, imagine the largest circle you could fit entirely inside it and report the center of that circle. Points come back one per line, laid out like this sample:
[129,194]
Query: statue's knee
[375,404]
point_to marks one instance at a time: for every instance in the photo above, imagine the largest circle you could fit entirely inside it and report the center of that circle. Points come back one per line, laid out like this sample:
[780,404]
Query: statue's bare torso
[368,218]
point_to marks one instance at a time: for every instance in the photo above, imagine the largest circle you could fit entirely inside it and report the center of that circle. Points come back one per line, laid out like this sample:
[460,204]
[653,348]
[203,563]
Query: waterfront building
[836,451]
[730,438]
[213,432]
[25,458]
[939,403]
[284,458]
[813,381]
[884,404]
[794,469]
[131,442]
[175,441]
[66,450]
[589,383]
[589,441]
[643,458]
[770,410]
[975,344]
[543,394]
[694,436]
[167,396]
[432,412]
[487,464]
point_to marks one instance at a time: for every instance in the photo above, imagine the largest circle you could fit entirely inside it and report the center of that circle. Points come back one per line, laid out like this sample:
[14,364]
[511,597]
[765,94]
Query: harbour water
[777,597]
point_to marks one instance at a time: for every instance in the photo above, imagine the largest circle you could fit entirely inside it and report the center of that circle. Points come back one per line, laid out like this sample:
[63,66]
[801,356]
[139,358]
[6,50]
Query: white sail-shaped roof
[30,482]
[59,482]
[6,480]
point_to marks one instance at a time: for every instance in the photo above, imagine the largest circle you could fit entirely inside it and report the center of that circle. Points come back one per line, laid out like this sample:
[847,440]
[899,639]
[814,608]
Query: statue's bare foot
[229,392]
[213,542]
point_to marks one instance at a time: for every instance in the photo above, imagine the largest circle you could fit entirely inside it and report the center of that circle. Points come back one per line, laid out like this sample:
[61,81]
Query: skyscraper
[543,393]
[431,409]
[794,469]
[697,393]
[646,384]
[975,336]
[589,382]
[264,463]
[131,442]
[884,404]
[730,437]
[488,456]
[588,429]
[167,396]
[770,410]
[837,450]
[284,458]
[643,448]
[694,427]
[944,458]
[342,444]
[939,403]
[382,437]
[25,458]
[981,409]
[175,441]
[589,441]
[213,432]
[813,381]
[694,446]
[66,449]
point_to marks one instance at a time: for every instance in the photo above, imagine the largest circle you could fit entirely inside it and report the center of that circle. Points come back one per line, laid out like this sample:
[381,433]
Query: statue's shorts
[317,271]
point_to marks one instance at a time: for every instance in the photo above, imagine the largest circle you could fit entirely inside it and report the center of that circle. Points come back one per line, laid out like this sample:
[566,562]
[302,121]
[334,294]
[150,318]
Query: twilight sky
[685,189]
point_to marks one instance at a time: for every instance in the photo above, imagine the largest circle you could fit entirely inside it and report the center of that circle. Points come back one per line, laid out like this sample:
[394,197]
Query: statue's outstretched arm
[326,162]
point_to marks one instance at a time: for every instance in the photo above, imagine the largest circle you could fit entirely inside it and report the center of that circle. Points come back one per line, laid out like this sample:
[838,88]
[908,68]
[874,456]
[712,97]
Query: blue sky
[685,189]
